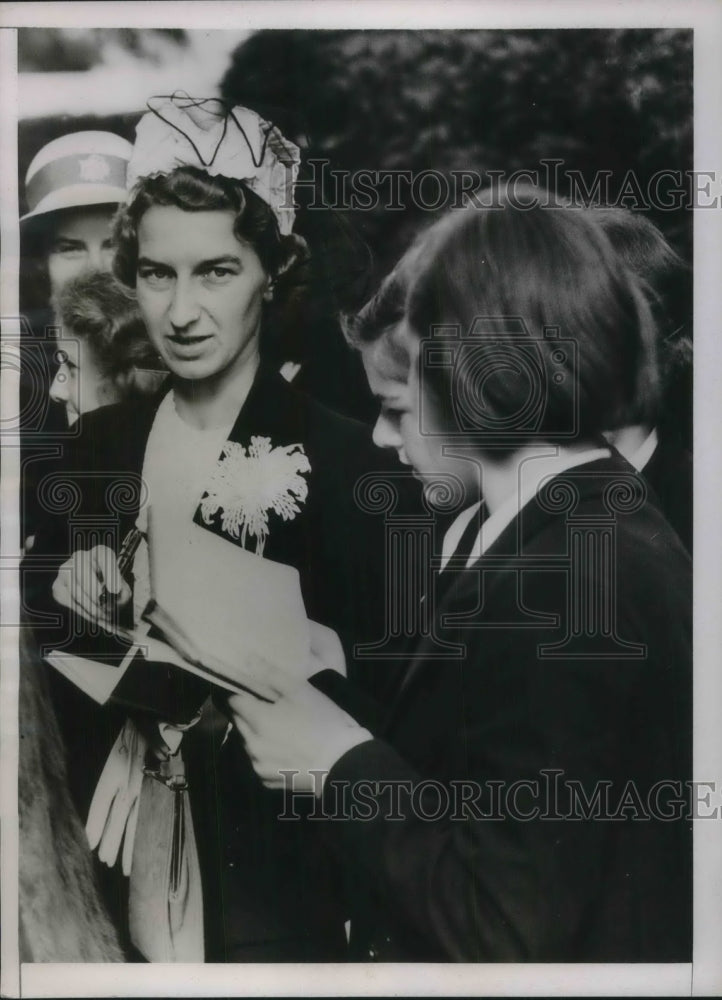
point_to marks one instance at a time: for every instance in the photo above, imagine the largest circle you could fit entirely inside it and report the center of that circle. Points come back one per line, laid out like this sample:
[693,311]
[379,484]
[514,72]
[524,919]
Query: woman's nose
[59,385]
[184,308]
[100,257]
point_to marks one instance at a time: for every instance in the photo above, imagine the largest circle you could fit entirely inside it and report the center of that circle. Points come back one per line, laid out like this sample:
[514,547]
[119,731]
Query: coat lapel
[587,483]
[260,482]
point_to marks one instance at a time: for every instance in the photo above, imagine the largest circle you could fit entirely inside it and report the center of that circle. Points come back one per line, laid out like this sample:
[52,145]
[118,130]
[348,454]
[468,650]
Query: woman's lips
[187,346]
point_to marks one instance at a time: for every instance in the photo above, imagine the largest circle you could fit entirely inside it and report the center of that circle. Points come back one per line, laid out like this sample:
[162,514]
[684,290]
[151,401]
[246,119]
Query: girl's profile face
[399,424]
[431,450]
[200,291]
[389,385]
[79,384]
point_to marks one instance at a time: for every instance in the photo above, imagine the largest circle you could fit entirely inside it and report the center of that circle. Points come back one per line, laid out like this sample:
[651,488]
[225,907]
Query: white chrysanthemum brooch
[247,485]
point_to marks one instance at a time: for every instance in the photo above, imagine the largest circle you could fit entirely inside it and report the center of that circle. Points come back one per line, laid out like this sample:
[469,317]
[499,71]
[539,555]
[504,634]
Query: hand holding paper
[304,732]
[326,650]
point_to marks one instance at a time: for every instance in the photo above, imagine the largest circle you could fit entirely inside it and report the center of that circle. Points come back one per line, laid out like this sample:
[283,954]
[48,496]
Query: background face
[79,241]
[200,292]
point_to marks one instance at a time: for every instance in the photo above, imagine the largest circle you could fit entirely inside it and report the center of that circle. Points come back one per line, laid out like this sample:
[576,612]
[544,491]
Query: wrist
[342,742]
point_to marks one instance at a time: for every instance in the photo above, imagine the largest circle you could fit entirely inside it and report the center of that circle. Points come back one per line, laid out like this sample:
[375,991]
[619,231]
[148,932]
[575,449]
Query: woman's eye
[218,274]
[68,250]
[392,414]
[154,276]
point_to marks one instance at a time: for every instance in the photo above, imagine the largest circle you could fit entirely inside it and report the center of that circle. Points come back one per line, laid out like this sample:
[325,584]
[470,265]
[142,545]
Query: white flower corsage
[245,486]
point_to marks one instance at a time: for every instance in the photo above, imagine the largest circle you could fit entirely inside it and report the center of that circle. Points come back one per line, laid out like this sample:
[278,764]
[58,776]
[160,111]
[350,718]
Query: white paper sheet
[230,602]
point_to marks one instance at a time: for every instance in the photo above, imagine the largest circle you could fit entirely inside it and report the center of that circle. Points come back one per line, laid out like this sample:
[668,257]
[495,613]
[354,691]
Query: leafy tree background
[618,100]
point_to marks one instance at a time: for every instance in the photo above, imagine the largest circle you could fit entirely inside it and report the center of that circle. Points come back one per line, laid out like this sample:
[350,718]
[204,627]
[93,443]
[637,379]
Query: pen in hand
[125,560]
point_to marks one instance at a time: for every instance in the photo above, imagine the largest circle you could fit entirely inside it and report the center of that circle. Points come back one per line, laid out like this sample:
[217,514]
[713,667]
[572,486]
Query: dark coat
[458,885]
[268,893]
[669,473]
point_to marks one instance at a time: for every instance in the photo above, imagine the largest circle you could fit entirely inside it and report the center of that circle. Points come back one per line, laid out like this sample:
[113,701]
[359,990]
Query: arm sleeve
[471,849]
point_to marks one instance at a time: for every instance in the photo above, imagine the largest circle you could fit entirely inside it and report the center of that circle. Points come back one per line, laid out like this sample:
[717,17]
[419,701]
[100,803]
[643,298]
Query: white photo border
[704,975]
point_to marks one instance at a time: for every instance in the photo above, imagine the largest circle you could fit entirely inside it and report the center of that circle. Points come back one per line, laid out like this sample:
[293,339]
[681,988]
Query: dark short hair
[377,323]
[665,276]
[640,244]
[96,308]
[381,317]
[387,307]
[192,189]
[383,312]
[549,267]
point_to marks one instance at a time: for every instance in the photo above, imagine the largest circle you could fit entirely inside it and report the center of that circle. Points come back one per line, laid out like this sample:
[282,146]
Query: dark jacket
[549,688]
[268,893]
[669,473]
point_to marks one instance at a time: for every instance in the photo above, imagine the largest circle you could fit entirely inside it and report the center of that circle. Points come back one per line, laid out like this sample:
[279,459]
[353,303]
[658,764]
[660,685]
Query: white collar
[455,531]
[645,451]
[531,475]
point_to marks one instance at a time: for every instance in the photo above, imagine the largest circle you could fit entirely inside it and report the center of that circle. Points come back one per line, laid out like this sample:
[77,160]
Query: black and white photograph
[361,550]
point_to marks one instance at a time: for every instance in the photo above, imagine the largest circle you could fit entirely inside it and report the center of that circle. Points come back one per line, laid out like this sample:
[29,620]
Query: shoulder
[114,435]
[128,415]
[633,561]
[338,443]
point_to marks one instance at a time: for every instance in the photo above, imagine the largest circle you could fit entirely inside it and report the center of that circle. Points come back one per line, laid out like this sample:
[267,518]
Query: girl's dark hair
[191,189]
[379,321]
[98,309]
[665,277]
[500,278]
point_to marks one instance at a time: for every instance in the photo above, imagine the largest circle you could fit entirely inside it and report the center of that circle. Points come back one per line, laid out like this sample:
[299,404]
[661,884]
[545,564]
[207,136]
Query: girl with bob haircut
[556,272]
[514,805]
[228,446]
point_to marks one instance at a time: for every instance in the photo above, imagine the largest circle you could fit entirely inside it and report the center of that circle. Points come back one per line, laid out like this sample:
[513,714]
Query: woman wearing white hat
[72,189]
[229,446]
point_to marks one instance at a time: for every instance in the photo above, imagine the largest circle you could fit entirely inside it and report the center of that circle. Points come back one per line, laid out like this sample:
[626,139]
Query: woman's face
[200,291]
[79,241]
[79,384]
